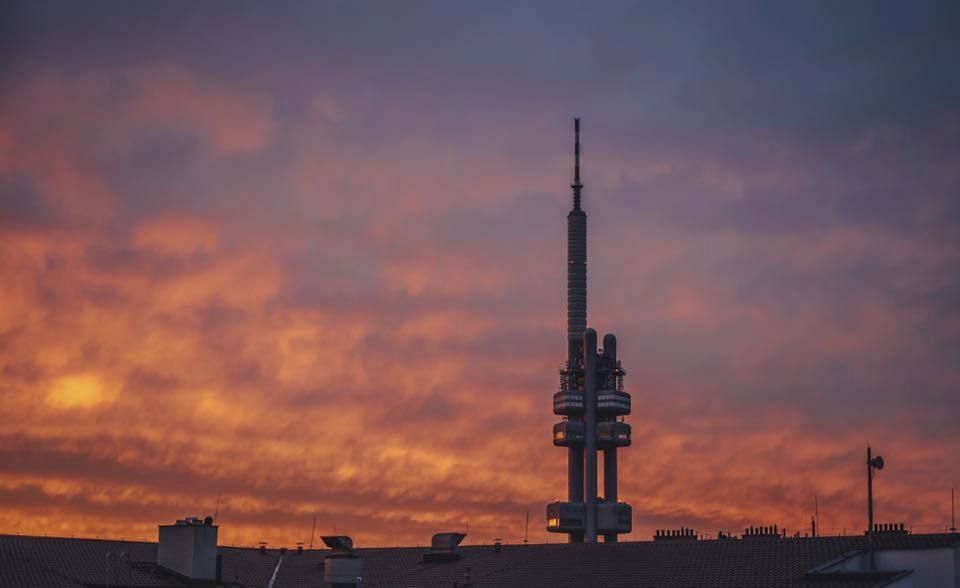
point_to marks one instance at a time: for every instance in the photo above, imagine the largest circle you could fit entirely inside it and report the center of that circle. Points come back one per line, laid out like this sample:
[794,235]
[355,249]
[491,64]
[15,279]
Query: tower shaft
[576,266]
[576,317]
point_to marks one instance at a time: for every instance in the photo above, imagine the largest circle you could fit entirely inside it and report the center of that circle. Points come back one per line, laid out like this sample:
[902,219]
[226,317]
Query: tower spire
[576,185]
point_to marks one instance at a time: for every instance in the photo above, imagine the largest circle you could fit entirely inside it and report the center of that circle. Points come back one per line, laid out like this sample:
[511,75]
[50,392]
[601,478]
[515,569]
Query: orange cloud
[338,333]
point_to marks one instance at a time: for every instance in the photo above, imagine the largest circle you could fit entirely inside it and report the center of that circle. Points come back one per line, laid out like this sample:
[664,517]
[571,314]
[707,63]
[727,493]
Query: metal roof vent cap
[443,547]
[341,545]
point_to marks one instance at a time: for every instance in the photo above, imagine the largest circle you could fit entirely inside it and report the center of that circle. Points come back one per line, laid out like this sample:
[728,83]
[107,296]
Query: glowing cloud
[321,272]
[77,391]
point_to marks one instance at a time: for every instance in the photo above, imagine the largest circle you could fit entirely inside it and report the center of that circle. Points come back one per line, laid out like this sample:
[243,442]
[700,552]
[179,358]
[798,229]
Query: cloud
[328,296]
[78,391]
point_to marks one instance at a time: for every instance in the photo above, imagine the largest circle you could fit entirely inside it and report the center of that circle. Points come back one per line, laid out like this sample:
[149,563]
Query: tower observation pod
[591,401]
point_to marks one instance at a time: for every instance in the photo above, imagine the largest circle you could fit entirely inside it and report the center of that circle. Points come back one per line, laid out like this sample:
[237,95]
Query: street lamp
[873,463]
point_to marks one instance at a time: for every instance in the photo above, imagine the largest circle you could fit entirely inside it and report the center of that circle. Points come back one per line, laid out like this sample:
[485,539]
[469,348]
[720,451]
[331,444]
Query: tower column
[575,483]
[610,483]
[575,472]
[590,431]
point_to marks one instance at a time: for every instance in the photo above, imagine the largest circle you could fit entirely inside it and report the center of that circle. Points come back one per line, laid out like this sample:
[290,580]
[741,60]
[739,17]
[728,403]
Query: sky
[309,258]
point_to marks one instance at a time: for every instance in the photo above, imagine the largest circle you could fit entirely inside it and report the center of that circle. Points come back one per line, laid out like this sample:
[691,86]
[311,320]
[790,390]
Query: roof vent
[189,548]
[340,544]
[443,547]
[341,567]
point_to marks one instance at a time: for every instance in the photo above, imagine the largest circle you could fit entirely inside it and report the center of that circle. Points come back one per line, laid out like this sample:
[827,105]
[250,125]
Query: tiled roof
[56,561]
[730,563]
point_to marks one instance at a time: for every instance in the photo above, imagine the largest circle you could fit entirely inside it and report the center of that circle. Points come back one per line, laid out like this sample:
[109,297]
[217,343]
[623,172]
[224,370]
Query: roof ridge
[72,538]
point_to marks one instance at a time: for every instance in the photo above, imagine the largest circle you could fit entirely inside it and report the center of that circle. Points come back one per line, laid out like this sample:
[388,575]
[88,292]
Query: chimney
[342,568]
[682,534]
[189,548]
[890,528]
[765,531]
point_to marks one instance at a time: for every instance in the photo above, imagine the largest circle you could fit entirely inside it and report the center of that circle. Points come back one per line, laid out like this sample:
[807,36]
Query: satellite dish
[877,462]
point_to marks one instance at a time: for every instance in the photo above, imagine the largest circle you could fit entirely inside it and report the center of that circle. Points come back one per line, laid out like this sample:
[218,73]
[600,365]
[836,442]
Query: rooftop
[51,562]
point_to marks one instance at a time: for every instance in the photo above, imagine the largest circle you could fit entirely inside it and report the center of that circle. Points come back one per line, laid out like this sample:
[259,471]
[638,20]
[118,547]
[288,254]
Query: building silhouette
[673,559]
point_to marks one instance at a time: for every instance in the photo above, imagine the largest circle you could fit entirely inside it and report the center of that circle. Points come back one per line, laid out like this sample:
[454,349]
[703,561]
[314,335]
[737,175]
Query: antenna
[216,511]
[526,526]
[953,513]
[576,151]
[576,185]
[816,514]
[312,531]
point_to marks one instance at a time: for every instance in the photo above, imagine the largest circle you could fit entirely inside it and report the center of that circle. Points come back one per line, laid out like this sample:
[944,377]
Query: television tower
[590,399]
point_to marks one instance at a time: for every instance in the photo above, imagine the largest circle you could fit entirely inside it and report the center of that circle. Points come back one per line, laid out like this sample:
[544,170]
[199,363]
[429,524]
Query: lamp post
[873,463]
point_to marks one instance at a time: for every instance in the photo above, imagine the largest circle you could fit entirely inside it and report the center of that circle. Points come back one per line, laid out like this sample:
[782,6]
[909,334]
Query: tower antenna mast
[576,185]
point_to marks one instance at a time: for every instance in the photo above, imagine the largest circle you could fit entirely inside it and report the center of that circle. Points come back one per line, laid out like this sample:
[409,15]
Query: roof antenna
[312,531]
[953,513]
[816,514]
[526,526]
[576,185]
[216,511]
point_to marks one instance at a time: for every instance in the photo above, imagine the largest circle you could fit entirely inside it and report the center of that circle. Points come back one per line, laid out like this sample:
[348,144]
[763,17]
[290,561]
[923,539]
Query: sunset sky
[311,256]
